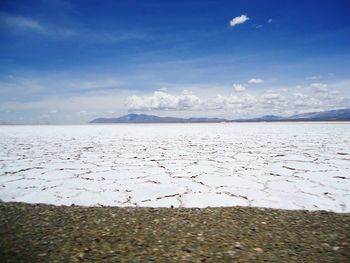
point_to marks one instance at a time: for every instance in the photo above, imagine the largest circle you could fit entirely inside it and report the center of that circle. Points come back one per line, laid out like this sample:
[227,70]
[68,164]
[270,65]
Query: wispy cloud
[17,23]
[114,37]
[94,84]
[21,22]
[239,20]
[269,20]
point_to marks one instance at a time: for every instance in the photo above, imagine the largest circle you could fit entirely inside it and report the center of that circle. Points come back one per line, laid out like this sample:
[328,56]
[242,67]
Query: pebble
[326,246]
[336,248]
[231,254]
[238,245]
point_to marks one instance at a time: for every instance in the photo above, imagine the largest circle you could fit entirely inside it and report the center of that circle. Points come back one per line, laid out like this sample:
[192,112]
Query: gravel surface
[45,233]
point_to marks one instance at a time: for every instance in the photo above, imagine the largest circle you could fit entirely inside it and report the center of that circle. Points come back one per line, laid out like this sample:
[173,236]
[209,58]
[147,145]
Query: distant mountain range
[343,114]
[143,118]
[332,115]
[263,118]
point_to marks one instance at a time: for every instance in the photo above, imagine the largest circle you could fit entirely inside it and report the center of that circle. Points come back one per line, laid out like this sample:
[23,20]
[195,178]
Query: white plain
[277,165]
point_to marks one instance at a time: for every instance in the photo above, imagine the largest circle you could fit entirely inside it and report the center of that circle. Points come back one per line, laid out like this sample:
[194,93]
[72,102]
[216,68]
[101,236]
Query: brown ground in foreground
[43,233]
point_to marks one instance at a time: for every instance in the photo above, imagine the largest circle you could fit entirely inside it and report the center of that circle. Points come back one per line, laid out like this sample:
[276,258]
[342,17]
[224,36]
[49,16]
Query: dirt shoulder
[44,233]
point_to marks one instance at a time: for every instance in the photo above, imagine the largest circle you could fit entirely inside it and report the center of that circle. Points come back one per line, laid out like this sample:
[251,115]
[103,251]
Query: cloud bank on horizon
[313,97]
[69,62]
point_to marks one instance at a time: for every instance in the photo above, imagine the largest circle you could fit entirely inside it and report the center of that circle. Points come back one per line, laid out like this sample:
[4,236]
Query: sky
[67,61]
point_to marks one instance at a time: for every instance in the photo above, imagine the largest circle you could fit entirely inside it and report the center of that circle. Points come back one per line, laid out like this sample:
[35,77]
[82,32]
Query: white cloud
[319,87]
[315,77]
[239,87]
[300,103]
[255,81]
[161,100]
[244,101]
[239,20]
[299,95]
[271,96]
[269,21]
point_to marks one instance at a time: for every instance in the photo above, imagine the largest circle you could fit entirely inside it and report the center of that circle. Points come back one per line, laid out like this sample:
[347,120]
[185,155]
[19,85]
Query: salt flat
[277,165]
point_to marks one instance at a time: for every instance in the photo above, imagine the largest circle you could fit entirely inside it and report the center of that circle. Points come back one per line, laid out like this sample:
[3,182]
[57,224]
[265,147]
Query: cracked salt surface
[278,165]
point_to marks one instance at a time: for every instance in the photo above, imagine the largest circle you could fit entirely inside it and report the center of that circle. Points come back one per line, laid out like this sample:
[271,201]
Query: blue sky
[72,61]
